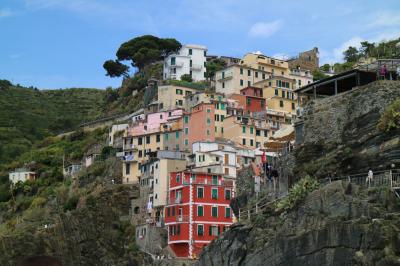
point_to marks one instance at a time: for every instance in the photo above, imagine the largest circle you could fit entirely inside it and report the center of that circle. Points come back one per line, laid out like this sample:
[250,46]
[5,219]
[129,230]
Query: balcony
[128,158]
[177,64]
[196,67]
[129,146]
[173,200]
[225,76]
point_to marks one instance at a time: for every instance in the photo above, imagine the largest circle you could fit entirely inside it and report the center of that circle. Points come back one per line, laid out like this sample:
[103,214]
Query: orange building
[250,100]
[200,124]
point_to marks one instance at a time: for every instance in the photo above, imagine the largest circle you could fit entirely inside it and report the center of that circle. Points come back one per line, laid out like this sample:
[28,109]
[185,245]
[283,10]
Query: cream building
[236,77]
[172,97]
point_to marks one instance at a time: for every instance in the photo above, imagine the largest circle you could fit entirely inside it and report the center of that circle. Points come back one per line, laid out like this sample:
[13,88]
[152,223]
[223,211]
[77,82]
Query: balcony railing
[227,75]
[208,182]
[177,64]
[196,67]
[129,146]
[174,200]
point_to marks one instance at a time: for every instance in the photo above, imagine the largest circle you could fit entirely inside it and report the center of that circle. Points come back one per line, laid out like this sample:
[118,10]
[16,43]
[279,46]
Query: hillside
[28,115]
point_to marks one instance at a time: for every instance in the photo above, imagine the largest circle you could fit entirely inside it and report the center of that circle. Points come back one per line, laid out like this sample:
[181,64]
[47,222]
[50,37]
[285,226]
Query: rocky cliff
[340,136]
[338,224]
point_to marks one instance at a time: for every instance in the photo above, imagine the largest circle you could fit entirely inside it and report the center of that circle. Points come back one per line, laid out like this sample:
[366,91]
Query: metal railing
[386,178]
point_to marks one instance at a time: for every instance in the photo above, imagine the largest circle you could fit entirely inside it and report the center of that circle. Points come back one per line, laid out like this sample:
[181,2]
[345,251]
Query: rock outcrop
[335,225]
[340,135]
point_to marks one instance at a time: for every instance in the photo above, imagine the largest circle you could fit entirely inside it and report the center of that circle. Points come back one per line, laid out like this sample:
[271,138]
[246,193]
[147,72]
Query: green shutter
[243,129]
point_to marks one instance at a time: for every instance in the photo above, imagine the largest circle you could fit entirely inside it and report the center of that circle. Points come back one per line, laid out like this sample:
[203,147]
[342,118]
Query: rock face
[335,225]
[339,134]
[95,233]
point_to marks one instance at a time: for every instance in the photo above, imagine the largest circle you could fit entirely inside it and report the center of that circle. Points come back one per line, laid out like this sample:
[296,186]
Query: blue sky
[63,43]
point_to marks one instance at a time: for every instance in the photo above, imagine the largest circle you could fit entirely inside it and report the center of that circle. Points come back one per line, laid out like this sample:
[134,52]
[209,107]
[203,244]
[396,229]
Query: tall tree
[351,54]
[115,68]
[367,49]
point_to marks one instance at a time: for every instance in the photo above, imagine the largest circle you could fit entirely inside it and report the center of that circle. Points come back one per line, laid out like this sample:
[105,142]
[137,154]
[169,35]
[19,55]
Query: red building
[197,211]
[250,100]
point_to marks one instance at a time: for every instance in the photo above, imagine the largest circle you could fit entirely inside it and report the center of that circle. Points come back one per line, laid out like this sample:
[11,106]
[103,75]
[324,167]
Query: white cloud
[265,29]
[281,56]
[385,19]
[6,13]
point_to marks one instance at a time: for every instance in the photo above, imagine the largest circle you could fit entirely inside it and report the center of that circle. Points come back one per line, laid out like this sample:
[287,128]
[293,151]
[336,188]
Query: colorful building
[190,59]
[236,77]
[170,97]
[250,100]
[199,125]
[198,211]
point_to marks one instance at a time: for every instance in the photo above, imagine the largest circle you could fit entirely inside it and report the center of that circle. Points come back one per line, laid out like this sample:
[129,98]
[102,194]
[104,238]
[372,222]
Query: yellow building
[265,63]
[247,131]
[232,79]
[279,94]
[172,97]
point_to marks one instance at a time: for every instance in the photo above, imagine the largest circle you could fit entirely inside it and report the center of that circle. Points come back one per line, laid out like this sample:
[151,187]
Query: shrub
[390,118]
[71,203]
[297,193]
[38,202]
[186,77]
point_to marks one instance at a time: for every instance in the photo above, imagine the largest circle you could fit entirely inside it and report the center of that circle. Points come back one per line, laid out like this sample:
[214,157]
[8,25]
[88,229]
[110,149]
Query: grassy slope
[28,115]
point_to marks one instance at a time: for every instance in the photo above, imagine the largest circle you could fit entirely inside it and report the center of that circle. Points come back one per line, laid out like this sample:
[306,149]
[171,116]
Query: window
[200,230]
[243,141]
[256,74]
[241,82]
[227,194]
[179,92]
[251,130]
[168,212]
[222,130]
[215,179]
[177,134]
[186,130]
[214,211]
[262,103]
[208,110]
[208,121]
[213,230]
[258,132]
[166,136]
[222,118]
[173,60]
[178,178]
[214,193]
[190,51]
[276,92]
[158,138]
[251,142]
[223,85]
[140,154]
[249,83]
[258,144]
[248,101]
[147,139]
[127,168]
[177,147]
[200,192]
[186,119]
[241,71]
[265,133]
[249,72]
[188,93]
[200,211]
[243,129]
[283,94]
[293,106]
[173,211]
[186,142]
[216,129]
[281,103]
[190,63]
[208,132]
[140,141]
[263,76]
[205,53]
[178,231]
[227,212]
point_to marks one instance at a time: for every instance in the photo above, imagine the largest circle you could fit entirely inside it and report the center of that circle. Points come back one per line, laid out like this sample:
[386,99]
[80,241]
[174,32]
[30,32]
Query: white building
[214,157]
[21,174]
[302,77]
[115,129]
[190,59]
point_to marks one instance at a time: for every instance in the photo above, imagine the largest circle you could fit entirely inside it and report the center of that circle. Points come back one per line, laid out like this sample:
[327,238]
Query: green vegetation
[298,193]
[29,115]
[213,66]
[193,85]
[318,75]
[390,118]
[140,51]
[187,78]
